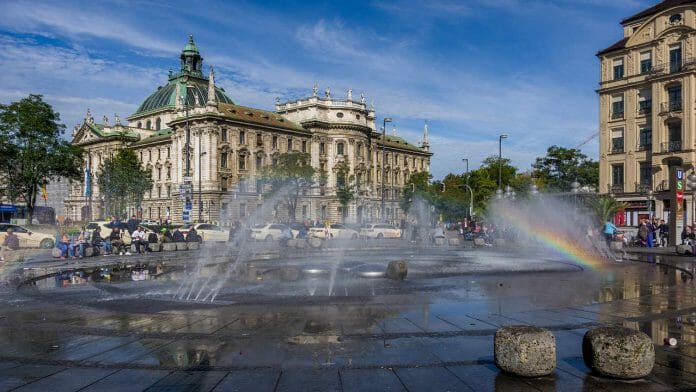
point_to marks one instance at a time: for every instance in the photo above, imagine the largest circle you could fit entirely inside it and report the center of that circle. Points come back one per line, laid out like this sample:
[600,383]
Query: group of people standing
[653,233]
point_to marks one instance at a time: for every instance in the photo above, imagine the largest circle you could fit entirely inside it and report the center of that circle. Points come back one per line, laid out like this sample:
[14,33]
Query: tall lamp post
[575,188]
[651,197]
[200,181]
[500,163]
[187,178]
[466,184]
[384,164]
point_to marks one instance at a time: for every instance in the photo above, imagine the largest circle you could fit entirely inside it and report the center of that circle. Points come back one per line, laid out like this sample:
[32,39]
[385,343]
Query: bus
[10,212]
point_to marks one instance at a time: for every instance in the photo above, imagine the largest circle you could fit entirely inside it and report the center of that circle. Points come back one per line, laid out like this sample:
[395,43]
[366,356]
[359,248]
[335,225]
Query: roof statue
[372,105]
[212,99]
[117,119]
[88,117]
[315,89]
[105,120]
[277,100]
[350,94]
[425,144]
[196,100]
[327,93]
[362,98]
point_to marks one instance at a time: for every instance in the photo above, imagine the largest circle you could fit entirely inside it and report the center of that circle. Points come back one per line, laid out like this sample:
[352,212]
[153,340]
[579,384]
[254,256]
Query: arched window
[148,125]
[158,124]
[139,125]
[340,149]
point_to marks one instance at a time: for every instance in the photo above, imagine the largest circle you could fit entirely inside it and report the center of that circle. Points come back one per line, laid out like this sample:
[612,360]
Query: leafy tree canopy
[561,166]
[289,177]
[123,182]
[32,150]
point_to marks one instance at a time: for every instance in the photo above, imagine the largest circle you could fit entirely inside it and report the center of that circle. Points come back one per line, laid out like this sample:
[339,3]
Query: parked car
[28,238]
[149,222]
[335,231]
[207,231]
[270,232]
[380,230]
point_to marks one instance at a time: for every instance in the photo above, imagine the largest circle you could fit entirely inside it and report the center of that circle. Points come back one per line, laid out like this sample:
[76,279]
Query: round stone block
[301,243]
[618,352]
[525,351]
[192,245]
[315,242]
[89,251]
[453,241]
[439,241]
[479,242]
[181,246]
[55,252]
[397,270]
[168,246]
[155,247]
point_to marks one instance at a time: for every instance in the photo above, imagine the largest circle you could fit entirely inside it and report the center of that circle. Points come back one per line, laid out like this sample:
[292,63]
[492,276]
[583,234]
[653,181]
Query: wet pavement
[319,320]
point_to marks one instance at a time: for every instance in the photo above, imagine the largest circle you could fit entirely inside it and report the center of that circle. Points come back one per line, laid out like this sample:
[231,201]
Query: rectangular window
[289,144]
[617,107]
[159,173]
[223,160]
[169,190]
[618,68]
[223,135]
[223,187]
[617,176]
[645,62]
[242,210]
[259,186]
[645,174]
[645,101]
[242,186]
[304,146]
[242,162]
[242,139]
[322,148]
[259,140]
[644,138]
[259,162]
[275,142]
[674,97]
[675,58]
[674,136]
[169,152]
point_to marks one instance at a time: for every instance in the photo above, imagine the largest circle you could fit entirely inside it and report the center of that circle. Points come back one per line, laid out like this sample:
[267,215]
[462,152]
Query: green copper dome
[165,97]
[191,46]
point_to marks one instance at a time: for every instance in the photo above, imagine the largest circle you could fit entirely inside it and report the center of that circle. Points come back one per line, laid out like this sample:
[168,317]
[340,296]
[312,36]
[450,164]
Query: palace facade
[647,97]
[229,145]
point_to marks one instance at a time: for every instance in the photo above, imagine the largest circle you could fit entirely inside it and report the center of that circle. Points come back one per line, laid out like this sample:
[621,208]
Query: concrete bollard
[525,351]
[683,249]
[193,245]
[301,243]
[440,241]
[397,270]
[89,251]
[55,252]
[156,247]
[181,246]
[315,242]
[453,241]
[169,246]
[618,352]
[479,241]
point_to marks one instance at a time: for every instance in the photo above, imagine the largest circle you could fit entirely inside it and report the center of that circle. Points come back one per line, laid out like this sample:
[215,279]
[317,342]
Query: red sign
[680,196]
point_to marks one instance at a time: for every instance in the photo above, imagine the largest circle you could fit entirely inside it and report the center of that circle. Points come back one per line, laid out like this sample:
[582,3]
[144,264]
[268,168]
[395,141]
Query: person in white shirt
[139,239]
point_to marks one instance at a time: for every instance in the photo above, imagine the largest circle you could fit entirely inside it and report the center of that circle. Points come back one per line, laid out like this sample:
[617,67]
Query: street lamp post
[500,162]
[466,184]
[575,188]
[691,183]
[384,163]
[187,179]
[650,198]
[200,181]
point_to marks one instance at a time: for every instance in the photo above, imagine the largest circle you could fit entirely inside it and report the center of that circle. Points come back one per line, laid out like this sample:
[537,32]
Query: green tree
[123,182]
[32,150]
[345,187]
[561,166]
[418,185]
[289,177]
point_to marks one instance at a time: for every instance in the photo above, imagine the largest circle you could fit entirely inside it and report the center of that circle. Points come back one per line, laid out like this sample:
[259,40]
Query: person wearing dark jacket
[192,235]
[132,224]
[177,236]
[116,240]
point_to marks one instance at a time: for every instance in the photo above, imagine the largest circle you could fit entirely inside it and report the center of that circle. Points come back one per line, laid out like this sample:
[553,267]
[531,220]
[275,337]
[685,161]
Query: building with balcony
[230,145]
[647,100]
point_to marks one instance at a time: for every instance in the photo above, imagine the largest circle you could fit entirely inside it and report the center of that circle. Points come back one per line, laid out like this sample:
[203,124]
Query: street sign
[680,196]
[188,178]
[680,185]
[188,206]
[186,215]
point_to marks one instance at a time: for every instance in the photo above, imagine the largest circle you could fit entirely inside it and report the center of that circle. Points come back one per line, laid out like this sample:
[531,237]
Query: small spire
[425,144]
[212,99]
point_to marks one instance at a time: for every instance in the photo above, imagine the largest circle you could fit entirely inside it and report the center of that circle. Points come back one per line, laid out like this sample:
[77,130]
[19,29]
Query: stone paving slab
[430,379]
[127,380]
[71,379]
[309,380]
[15,377]
[249,381]
[369,380]
[488,378]
[197,380]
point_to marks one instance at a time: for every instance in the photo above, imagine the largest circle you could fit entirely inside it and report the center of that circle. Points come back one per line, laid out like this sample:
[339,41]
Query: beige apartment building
[230,145]
[647,98]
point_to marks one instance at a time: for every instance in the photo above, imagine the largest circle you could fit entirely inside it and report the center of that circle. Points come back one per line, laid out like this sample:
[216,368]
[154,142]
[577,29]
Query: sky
[473,69]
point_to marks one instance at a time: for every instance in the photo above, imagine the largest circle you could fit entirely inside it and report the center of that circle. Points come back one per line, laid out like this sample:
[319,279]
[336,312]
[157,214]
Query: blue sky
[474,69]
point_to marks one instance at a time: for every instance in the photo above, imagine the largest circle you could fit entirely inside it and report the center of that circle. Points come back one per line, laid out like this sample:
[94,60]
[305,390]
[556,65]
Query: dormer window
[676,18]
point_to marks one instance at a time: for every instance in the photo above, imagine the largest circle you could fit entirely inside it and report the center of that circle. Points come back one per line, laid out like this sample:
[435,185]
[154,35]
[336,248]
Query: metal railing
[674,145]
[617,115]
[673,106]
[616,188]
[643,187]
[644,147]
[662,186]
[644,107]
[617,149]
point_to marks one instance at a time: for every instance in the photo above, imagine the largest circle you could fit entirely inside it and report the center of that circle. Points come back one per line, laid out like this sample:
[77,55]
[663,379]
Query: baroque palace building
[647,111]
[231,144]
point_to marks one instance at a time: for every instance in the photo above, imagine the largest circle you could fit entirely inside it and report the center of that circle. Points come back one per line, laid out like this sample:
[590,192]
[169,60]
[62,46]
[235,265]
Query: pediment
[85,134]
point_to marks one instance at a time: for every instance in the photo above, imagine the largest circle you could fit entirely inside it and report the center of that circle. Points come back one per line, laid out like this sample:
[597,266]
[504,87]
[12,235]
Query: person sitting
[100,243]
[139,240]
[192,235]
[165,236]
[178,236]
[10,244]
[63,244]
[81,243]
[116,240]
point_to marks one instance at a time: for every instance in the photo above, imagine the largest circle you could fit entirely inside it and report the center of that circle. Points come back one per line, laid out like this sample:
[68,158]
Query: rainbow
[572,244]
